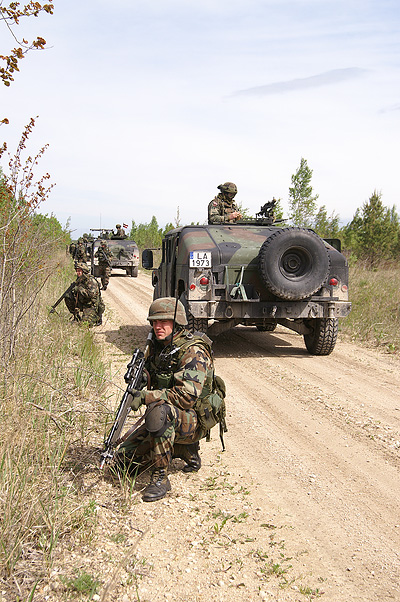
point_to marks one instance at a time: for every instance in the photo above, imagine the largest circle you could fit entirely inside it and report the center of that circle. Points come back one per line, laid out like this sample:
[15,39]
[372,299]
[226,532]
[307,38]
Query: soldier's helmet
[228,188]
[82,266]
[118,226]
[164,309]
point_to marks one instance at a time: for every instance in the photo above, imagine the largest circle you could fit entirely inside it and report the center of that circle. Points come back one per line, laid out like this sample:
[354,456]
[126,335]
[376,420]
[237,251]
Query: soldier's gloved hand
[137,399]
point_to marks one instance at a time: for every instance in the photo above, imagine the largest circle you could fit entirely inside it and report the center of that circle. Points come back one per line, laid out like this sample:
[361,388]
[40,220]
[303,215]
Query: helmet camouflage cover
[118,226]
[164,309]
[228,187]
[82,266]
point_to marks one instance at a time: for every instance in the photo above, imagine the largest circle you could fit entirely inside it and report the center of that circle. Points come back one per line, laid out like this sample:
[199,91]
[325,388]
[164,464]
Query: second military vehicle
[255,273]
[125,254]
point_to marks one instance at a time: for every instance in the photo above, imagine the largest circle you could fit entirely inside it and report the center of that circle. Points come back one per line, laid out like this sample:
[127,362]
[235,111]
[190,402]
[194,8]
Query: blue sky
[148,105]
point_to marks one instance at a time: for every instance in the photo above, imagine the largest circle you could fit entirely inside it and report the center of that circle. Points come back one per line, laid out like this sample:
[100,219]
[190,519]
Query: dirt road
[304,502]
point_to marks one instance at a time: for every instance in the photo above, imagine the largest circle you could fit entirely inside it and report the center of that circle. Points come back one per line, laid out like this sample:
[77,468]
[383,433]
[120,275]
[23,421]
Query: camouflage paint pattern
[234,251]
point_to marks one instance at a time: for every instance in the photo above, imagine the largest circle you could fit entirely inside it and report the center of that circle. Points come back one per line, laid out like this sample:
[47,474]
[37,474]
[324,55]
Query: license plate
[200,259]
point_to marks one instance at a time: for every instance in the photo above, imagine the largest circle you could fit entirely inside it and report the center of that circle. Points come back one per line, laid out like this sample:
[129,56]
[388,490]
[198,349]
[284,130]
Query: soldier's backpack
[211,410]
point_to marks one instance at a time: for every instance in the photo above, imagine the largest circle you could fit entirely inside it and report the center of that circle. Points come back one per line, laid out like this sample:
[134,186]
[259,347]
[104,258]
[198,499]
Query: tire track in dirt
[302,429]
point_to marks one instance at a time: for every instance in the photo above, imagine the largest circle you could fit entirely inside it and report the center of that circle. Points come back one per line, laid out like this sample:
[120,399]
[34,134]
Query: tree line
[372,236]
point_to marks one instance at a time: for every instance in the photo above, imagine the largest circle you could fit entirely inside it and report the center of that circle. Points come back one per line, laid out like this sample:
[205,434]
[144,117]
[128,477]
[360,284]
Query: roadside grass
[54,404]
[52,396]
[375,315]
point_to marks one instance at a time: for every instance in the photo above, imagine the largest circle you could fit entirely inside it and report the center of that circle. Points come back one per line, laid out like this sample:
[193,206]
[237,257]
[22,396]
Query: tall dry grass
[375,315]
[52,399]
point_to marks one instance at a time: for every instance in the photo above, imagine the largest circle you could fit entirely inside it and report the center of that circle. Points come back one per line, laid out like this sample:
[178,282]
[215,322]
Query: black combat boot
[158,486]
[190,454]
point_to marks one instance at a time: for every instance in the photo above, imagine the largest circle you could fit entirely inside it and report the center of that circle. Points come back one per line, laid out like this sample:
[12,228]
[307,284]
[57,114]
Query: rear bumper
[259,310]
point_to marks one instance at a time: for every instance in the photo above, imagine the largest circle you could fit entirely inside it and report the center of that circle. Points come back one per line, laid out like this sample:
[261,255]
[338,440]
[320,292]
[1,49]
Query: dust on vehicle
[256,273]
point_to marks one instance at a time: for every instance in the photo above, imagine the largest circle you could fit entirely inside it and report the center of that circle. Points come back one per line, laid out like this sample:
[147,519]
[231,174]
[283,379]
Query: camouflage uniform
[223,205]
[104,255]
[120,233]
[80,252]
[84,301]
[180,375]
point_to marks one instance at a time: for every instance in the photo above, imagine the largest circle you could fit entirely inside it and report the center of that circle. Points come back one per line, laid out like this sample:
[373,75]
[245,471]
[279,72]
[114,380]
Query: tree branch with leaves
[11,14]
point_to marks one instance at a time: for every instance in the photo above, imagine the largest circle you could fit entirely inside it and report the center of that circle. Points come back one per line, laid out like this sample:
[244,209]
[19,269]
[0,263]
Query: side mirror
[147,259]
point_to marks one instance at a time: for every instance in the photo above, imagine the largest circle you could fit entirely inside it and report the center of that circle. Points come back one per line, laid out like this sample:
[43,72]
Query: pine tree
[326,226]
[373,233]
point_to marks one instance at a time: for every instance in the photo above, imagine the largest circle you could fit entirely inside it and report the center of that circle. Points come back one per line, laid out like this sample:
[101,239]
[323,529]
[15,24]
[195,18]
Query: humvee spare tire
[293,263]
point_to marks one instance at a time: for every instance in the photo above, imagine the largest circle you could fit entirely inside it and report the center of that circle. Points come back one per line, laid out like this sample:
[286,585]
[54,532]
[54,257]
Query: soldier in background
[223,209]
[84,300]
[181,371]
[72,249]
[80,252]
[120,231]
[104,256]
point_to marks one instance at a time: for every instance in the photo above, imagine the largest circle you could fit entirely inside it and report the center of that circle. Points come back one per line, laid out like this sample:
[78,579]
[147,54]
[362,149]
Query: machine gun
[265,217]
[134,380]
[65,293]
[104,232]
[267,210]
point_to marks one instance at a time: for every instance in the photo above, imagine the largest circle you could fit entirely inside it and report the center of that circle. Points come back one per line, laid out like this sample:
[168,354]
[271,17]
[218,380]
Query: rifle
[134,379]
[65,293]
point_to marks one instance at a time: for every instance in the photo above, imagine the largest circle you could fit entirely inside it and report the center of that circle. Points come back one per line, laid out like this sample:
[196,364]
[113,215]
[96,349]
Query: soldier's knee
[158,418]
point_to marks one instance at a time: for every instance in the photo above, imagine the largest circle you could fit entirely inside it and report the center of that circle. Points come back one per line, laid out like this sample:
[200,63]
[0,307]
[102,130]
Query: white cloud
[136,103]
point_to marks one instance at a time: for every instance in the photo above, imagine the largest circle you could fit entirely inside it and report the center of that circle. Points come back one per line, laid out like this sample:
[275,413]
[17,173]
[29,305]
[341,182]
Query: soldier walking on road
[84,300]
[222,208]
[80,252]
[181,370]
[104,256]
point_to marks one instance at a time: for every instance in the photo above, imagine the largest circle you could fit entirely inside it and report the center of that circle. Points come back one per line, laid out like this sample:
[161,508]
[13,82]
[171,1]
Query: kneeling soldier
[84,300]
[181,372]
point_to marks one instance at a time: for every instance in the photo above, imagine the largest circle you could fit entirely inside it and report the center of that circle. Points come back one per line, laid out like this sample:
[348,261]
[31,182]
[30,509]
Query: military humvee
[125,253]
[255,273]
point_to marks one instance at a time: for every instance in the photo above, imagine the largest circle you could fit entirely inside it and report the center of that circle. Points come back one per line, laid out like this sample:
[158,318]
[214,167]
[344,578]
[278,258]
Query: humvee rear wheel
[293,263]
[323,336]
[197,324]
[134,271]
